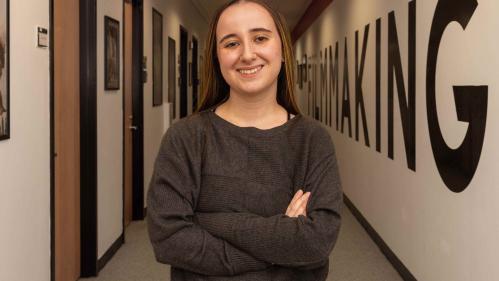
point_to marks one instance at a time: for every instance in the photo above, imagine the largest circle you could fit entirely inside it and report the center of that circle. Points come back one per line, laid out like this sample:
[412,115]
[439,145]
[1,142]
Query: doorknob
[135,128]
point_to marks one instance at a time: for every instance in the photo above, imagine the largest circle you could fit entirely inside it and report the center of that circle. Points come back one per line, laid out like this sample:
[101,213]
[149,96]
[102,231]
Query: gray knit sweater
[218,196]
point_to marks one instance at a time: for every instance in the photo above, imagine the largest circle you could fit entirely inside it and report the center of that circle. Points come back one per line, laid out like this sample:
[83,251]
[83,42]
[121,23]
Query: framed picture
[189,73]
[111,54]
[4,71]
[157,58]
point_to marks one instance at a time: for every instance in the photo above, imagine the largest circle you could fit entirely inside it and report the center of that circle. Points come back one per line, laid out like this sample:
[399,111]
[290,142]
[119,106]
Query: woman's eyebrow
[227,37]
[257,29]
[260,29]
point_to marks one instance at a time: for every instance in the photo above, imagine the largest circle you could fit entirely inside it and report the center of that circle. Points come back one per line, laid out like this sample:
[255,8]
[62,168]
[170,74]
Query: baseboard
[110,252]
[389,254]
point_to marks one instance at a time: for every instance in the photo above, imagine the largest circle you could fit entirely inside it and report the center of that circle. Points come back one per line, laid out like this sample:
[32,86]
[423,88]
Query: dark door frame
[172,81]
[52,141]
[184,49]
[194,74]
[88,141]
[138,110]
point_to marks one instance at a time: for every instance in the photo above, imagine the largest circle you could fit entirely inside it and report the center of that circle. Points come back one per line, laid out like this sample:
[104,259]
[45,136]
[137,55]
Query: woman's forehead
[243,17]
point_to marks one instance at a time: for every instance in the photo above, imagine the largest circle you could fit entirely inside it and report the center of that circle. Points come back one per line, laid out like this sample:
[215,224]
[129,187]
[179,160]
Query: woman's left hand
[298,205]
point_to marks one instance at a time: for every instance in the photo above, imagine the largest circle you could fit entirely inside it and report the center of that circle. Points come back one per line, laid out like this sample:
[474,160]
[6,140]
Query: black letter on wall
[407,107]
[308,69]
[345,105]
[323,82]
[359,74]
[315,87]
[334,85]
[456,166]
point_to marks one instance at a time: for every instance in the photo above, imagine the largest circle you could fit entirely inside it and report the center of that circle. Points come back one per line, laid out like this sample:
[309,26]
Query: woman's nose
[248,54]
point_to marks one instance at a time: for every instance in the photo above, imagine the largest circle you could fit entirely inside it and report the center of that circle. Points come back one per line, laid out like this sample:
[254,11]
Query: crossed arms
[224,244]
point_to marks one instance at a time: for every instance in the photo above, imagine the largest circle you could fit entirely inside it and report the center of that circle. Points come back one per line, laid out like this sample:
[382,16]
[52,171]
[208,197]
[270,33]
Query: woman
[226,199]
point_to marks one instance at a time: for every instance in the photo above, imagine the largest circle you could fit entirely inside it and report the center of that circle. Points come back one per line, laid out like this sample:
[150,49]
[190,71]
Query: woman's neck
[260,111]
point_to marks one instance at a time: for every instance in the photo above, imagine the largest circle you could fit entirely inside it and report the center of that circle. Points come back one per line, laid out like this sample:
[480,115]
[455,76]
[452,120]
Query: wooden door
[66,140]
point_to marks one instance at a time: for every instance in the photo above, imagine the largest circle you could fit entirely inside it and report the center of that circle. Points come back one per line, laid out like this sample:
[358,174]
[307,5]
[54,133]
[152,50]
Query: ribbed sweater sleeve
[172,195]
[293,242]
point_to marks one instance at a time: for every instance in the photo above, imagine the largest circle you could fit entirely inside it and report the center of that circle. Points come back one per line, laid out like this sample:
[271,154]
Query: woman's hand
[298,205]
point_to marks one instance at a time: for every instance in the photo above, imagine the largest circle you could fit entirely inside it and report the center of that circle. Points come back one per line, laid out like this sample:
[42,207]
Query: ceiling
[292,10]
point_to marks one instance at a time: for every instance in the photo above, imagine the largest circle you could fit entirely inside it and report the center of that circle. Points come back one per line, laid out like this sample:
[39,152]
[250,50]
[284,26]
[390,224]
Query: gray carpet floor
[354,258]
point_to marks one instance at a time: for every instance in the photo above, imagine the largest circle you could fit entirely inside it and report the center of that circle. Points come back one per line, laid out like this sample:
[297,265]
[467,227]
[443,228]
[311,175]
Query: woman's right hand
[298,205]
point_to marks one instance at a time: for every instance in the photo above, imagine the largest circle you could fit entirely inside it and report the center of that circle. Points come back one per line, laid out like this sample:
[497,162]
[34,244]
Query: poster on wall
[157,58]
[111,54]
[4,70]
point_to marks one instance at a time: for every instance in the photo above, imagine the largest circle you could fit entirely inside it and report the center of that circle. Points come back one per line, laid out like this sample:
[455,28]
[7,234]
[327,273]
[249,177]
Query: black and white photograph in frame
[157,58]
[4,71]
[111,54]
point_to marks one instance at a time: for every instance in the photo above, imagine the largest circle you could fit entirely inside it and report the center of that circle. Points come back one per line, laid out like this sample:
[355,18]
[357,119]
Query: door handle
[134,128]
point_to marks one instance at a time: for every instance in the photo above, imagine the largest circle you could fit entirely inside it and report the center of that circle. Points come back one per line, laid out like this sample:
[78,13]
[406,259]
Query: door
[127,116]
[66,111]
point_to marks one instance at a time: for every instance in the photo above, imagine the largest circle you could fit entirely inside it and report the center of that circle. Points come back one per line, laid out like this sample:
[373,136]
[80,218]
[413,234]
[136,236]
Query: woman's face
[248,48]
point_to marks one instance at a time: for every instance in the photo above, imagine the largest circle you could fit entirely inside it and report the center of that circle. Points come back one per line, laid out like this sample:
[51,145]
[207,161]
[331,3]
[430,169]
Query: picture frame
[111,54]
[157,58]
[189,73]
[4,71]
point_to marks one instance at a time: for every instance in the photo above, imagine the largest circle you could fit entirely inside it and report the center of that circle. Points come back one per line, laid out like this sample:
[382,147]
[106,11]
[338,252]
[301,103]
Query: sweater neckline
[219,121]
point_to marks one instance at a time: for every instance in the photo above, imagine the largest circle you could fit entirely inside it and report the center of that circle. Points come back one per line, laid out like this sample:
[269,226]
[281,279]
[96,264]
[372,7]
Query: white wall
[156,119]
[436,233]
[25,159]
[109,138]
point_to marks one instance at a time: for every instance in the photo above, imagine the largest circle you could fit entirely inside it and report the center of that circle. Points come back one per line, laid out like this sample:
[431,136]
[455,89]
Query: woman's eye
[261,39]
[230,45]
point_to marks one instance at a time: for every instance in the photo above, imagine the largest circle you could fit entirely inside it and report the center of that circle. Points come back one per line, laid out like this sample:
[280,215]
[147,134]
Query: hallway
[355,257]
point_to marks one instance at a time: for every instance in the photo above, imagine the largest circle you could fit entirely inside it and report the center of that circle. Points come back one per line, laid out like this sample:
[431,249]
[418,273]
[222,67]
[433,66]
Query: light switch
[43,38]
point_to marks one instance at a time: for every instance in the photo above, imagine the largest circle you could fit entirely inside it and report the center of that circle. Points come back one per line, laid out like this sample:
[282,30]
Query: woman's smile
[250,72]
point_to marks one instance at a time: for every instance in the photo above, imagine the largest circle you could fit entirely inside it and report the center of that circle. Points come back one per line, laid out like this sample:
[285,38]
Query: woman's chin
[252,91]
[253,88]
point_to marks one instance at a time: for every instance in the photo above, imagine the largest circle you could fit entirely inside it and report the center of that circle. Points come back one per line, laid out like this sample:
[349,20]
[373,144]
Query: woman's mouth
[248,72]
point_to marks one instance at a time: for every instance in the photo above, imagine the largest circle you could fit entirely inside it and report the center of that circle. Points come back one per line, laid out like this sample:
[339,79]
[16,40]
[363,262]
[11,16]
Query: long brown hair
[214,88]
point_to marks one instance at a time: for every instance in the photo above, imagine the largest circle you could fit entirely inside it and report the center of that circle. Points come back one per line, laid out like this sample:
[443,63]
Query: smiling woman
[248,50]
[246,188]
[244,41]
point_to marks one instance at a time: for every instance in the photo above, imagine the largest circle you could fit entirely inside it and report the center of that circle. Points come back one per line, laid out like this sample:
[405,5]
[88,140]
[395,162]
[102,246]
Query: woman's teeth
[250,71]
